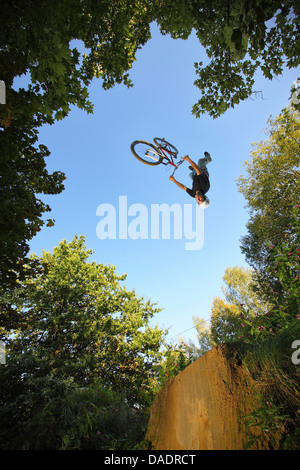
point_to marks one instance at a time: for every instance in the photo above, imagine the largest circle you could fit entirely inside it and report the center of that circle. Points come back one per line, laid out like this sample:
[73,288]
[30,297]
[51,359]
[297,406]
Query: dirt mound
[203,407]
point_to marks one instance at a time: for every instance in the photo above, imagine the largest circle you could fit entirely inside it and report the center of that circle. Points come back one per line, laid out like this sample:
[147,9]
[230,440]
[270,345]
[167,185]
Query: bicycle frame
[170,159]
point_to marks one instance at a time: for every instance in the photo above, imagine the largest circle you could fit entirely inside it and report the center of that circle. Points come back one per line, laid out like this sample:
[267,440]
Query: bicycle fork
[176,166]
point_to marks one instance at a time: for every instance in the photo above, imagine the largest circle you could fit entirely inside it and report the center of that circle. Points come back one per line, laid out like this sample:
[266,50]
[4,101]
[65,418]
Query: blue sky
[94,152]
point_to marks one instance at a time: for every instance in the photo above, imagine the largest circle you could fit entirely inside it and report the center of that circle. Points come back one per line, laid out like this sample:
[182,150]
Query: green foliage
[270,419]
[78,321]
[175,359]
[23,176]
[292,442]
[82,364]
[284,266]
[204,338]
[271,188]
[269,362]
[295,93]
[272,245]
[285,262]
[51,413]
[241,289]
[230,316]
[100,419]
[239,41]
[241,303]
[225,321]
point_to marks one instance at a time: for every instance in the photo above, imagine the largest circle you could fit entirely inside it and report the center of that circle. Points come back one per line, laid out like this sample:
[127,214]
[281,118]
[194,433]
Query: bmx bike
[150,154]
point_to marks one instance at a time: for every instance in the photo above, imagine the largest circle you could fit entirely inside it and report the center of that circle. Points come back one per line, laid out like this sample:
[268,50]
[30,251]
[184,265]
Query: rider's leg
[202,164]
[204,161]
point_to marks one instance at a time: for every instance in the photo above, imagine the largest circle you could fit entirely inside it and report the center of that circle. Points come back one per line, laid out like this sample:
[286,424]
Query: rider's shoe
[207,155]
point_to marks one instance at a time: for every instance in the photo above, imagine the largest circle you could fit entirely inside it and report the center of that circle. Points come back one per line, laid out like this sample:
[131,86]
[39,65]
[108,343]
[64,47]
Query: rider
[200,177]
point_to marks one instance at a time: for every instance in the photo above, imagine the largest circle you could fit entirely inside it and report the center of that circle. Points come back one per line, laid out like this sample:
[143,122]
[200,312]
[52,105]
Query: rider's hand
[186,158]
[172,178]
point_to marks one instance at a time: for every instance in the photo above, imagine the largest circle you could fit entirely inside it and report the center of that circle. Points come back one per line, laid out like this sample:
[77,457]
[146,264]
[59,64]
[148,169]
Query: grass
[277,378]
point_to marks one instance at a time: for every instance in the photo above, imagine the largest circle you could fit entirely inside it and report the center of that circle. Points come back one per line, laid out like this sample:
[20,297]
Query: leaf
[227,31]
[244,43]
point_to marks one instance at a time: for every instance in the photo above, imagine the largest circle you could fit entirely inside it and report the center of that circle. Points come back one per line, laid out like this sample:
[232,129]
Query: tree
[229,317]
[225,320]
[51,413]
[204,338]
[283,267]
[23,176]
[242,302]
[174,360]
[77,322]
[241,290]
[271,188]
[240,37]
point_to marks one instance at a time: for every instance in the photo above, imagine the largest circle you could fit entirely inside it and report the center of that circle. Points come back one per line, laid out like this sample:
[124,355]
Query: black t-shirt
[200,183]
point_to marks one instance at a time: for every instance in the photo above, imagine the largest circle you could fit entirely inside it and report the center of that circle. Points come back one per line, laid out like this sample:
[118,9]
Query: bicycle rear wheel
[146,152]
[166,146]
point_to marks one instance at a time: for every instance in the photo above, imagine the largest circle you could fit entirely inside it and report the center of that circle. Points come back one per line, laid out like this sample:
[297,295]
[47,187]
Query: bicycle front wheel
[146,152]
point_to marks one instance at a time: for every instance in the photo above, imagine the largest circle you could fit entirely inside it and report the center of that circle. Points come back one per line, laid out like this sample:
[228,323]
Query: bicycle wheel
[146,152]
[166,146]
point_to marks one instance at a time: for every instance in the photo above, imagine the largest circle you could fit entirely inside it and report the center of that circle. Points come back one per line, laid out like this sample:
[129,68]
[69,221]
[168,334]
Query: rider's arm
[193,164]
[180,185]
